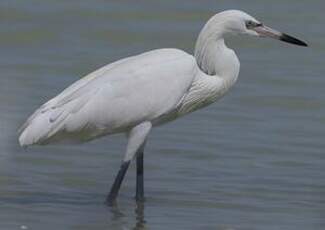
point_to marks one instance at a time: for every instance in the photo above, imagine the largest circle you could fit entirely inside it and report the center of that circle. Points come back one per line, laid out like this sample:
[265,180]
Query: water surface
[254,160]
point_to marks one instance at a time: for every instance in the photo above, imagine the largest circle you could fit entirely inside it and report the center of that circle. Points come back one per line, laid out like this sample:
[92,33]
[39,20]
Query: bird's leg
[111,198]
[139,197]
[136,139]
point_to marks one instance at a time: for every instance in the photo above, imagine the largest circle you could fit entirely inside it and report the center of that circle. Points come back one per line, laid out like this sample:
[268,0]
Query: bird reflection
[139,213]
[118,215]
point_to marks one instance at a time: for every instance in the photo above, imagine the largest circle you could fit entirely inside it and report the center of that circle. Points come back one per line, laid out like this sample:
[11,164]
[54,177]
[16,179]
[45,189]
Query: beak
[265,31]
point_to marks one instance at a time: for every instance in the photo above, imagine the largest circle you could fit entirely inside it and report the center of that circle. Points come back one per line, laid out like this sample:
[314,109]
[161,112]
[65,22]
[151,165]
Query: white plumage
[156,86]
[136,93]
[114,98]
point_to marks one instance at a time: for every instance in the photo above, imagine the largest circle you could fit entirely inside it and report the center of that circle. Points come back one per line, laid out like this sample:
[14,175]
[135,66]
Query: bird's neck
[213,56]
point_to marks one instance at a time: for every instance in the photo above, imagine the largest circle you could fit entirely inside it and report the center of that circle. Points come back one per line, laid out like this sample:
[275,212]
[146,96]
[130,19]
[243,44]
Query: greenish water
[254,160]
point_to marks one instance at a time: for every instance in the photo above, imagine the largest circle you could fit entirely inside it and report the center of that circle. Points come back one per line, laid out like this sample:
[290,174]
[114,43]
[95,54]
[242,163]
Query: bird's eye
[250,24]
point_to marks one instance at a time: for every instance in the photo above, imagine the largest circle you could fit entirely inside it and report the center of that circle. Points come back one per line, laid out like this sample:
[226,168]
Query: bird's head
[239,22]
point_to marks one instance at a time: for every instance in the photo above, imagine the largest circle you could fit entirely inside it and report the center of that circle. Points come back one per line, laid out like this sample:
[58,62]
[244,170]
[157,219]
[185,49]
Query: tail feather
[49,120]
[40,128]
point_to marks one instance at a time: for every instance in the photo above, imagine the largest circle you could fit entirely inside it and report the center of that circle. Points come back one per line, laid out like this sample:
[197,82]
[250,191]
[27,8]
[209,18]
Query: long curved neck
[211,53]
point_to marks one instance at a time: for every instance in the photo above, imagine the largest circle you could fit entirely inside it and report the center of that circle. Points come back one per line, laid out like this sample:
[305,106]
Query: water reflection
[139,213]
[254,160]
[117,215]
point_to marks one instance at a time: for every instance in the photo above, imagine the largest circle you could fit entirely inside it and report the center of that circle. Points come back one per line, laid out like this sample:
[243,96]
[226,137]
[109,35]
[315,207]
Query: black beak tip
[292,40]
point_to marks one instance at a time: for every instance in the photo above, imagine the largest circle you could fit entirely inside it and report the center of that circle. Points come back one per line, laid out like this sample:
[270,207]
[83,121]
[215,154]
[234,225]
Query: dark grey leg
[111,198]
[140,187]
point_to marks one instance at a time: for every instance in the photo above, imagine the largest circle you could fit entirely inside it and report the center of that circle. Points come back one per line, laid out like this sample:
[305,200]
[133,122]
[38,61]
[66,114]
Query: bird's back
[114,98]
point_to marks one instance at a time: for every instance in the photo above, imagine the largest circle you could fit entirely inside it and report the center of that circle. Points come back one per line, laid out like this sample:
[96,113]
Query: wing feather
[114,97]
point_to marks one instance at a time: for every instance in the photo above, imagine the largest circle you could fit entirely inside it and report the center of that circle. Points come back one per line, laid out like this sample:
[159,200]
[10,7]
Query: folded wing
[113,98]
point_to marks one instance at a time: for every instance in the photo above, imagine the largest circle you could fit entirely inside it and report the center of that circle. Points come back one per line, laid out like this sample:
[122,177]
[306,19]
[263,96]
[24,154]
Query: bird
[137,93]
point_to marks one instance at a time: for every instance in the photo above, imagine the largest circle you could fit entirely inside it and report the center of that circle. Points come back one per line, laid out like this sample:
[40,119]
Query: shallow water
[254,160]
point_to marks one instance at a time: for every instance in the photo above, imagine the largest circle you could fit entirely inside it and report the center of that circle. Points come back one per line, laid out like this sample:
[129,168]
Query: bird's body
[134,94]
[156,86]
[146,87]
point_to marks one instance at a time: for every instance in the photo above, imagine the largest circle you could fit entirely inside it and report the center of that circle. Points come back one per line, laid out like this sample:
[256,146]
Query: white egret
[137,93]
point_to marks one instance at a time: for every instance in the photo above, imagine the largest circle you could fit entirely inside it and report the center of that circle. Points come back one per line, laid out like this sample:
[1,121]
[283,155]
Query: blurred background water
[254,160]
